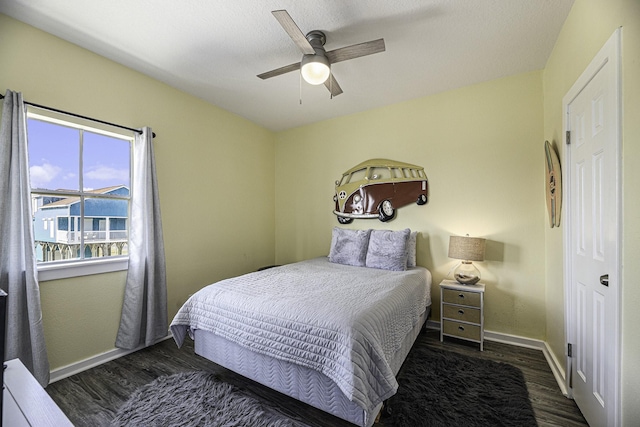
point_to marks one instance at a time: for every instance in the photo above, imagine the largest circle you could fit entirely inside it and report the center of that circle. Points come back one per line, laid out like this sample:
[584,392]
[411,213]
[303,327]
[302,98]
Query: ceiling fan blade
[333,85]
[356,51]
[294,32]
[279,71]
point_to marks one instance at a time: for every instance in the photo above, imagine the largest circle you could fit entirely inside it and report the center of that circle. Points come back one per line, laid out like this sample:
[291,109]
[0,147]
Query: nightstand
[462,311]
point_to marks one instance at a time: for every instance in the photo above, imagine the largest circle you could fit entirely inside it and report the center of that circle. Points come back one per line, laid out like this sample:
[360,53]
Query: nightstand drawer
[462,330]
[461,297]
[465,314]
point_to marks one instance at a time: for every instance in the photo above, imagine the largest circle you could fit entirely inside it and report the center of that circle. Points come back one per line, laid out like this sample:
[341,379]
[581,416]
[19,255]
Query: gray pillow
[349,246]
[411,259]
[388,250]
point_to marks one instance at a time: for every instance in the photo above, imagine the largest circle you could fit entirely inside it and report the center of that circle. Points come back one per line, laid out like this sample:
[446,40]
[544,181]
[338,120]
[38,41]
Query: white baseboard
[558,371]
[93,361]
[555,366]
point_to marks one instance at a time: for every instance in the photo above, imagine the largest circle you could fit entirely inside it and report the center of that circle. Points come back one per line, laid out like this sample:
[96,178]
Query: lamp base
[466,273]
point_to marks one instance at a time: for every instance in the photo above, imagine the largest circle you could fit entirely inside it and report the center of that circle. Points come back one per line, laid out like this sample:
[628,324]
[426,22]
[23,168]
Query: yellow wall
[482,149]
[587,28]
[215,173]
[481,146]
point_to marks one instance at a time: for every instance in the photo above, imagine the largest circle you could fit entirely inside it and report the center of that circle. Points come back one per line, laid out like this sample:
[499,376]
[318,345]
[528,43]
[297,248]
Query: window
[80,173]
[377,173]
[358,175]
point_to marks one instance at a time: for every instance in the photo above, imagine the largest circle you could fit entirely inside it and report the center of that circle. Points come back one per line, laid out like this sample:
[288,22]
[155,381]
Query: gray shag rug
[195,399]
[437,389]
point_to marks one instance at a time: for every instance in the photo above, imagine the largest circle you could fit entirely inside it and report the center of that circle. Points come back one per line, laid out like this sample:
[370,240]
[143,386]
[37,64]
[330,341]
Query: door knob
[604,279]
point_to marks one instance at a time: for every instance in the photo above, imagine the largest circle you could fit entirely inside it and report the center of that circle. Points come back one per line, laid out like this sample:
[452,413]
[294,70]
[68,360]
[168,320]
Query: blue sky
[54,158]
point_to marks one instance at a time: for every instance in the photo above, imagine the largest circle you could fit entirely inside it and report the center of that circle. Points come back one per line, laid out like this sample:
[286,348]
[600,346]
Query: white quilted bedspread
[343,321]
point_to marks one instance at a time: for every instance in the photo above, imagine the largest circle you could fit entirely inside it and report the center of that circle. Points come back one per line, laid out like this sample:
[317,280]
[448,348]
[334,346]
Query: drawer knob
[461,295]
[460,311]
[461,328]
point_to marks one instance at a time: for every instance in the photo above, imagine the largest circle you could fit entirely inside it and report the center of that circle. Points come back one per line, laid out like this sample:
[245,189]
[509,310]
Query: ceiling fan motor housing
[316,38]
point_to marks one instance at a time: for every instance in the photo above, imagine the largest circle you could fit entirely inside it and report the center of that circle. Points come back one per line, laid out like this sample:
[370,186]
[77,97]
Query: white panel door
[593,246]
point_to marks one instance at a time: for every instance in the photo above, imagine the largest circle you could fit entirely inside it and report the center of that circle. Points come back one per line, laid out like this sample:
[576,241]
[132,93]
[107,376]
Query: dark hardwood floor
[92,398]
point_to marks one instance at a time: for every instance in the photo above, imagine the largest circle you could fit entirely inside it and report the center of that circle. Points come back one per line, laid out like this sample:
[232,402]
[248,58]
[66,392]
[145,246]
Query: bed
[328,334]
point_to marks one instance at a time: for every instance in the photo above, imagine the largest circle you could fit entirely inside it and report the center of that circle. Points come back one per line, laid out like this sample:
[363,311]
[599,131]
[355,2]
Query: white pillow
[388,249]
[349,246]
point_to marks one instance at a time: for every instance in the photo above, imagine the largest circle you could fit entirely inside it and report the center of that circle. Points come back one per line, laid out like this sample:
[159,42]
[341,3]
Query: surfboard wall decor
[553,184]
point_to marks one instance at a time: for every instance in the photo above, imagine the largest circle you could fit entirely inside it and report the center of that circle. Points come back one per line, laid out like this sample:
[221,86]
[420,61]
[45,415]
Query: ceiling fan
[316,62]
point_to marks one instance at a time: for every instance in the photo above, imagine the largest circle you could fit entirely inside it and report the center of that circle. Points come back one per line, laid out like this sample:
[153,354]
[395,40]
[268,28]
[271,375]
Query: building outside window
[60,230]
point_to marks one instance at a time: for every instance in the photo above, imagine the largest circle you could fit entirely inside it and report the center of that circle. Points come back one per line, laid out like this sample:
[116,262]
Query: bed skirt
[299,382]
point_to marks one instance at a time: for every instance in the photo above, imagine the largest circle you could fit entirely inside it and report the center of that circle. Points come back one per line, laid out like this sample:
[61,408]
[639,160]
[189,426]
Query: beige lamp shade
[466,248]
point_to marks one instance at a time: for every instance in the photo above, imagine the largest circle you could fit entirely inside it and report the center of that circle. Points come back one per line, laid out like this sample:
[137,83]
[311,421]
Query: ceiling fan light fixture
[315,69]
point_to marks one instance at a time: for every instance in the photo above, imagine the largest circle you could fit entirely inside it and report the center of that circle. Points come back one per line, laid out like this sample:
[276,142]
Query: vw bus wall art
[376,188]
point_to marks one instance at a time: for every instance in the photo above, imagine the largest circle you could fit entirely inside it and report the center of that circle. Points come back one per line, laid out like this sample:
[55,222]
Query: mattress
[298,382]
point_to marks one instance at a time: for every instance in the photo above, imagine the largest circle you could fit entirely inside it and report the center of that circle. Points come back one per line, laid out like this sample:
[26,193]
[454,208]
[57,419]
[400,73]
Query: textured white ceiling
[214,49]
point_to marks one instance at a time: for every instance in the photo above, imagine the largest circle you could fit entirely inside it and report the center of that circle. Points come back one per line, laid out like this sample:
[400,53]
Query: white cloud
[105,173]
[43,174]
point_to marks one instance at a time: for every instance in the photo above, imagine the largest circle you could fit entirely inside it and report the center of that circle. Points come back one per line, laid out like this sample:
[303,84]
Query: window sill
[64,270]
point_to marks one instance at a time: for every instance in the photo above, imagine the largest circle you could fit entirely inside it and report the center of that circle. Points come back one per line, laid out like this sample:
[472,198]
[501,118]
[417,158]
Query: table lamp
[466,249]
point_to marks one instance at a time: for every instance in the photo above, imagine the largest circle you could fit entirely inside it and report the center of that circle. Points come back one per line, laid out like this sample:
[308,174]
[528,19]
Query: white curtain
[18,273]
[144,311]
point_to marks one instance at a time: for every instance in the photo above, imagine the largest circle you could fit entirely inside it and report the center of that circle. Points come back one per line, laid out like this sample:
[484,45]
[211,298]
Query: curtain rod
[82,117]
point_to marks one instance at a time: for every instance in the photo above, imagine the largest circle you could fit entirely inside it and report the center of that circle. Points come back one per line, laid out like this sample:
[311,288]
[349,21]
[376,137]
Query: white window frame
[64,269]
